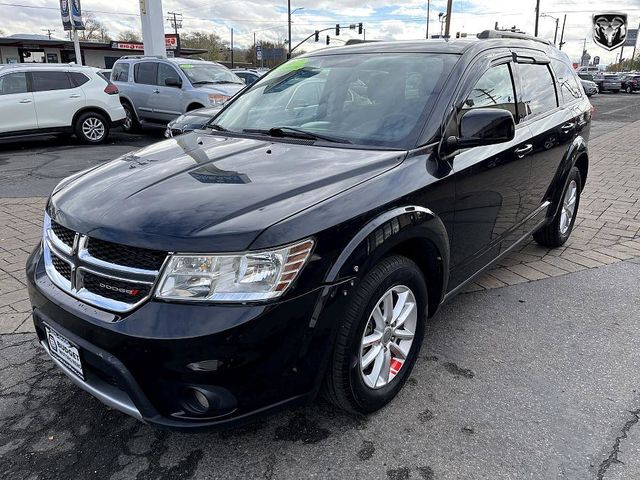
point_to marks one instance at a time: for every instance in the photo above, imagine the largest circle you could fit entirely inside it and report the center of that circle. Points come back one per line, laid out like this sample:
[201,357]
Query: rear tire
[629,90]
[92,128]
[351,385]
[131,124]
[558,231]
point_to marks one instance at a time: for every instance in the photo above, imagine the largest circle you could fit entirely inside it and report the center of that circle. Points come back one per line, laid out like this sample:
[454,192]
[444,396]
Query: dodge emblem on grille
[133,291]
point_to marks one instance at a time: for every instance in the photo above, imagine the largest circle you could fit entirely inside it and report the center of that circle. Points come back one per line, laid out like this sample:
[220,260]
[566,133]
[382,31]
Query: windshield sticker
[292,65]
[185,66]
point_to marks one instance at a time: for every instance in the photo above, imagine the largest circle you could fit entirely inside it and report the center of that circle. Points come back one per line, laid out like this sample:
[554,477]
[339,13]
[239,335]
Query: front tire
[629,90]
[379,338]
[558,231]
[92,128]
[131,123]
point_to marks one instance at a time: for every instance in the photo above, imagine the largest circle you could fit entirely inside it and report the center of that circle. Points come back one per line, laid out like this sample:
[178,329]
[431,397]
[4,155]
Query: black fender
[394,231]
[577,150]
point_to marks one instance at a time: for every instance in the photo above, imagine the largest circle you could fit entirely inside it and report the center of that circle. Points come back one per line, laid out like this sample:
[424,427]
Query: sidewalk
[607,230]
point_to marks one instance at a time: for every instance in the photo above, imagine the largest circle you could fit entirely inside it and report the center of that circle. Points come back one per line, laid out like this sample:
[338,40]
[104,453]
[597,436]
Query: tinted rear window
[47,81]
[120,72]
[78,78]
[145,73]
[538,90]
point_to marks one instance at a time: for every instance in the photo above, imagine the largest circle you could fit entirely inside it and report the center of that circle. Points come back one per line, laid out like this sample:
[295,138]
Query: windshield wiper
[293,132]
[215,126]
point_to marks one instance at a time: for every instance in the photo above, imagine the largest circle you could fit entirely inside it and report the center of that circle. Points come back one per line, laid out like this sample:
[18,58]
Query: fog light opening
[196,401]
[202,400]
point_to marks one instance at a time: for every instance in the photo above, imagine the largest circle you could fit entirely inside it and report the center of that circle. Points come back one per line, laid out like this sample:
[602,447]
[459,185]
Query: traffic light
[457,34]
[360,29]
[337,29]
[317,36]
[328,39]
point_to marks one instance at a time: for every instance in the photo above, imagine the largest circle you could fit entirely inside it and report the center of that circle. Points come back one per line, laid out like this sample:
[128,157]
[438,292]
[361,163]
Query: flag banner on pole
[66,14]
[76,15]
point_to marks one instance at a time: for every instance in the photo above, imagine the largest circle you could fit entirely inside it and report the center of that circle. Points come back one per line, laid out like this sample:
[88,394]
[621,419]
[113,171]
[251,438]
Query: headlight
[216,99]
[233,278]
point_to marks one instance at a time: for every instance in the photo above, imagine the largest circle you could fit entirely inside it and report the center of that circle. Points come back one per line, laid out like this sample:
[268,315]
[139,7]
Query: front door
[166,101]
[16,104]
[491,181]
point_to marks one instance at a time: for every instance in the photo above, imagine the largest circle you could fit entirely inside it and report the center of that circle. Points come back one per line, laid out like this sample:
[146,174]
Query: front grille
[61,266]
[63,233]
[126,256]
[127,292]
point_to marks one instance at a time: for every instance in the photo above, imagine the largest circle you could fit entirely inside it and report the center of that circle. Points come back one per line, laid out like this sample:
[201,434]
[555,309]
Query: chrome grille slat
[106,285]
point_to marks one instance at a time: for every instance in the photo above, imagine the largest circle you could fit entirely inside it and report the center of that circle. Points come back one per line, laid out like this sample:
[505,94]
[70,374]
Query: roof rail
[488,34]
[34,64]
[129,57]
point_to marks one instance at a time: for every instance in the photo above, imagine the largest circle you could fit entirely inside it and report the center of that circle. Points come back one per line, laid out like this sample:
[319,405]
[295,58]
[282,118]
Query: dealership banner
[76,15]
[66,14]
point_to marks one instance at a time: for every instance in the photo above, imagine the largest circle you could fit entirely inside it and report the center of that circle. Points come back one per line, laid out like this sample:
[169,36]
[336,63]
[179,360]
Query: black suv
[300,243]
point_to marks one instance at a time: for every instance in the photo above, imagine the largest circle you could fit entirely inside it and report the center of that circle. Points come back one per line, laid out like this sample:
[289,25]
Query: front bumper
[258,358]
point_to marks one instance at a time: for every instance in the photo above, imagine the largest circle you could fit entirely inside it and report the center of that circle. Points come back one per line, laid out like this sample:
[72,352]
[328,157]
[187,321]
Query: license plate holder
[65,351]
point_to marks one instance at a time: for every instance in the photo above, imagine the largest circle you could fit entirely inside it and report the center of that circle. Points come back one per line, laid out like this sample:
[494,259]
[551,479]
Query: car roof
[67,67]
[483,41]
[178,60]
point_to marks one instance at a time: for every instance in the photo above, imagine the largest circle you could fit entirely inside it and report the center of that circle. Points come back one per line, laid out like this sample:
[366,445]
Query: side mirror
[173,82]
[483,126]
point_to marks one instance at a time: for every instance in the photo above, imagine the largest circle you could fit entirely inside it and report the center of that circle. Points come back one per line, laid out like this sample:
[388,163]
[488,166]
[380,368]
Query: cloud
[382,20]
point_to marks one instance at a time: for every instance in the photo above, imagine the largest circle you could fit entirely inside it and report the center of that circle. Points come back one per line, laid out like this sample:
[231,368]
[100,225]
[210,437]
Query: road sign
[259,52]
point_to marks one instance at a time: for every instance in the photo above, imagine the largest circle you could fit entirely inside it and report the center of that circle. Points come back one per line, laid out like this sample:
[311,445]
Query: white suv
[54,98]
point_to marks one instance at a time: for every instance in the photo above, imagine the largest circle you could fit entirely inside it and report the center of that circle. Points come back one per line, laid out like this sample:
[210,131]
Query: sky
[382,19]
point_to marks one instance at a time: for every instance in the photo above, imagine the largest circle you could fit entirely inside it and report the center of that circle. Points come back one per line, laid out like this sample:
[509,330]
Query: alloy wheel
[93,129]
[388,336]
[568,206]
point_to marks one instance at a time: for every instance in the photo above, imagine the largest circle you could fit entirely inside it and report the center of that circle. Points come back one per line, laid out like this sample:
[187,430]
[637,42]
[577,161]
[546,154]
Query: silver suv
[157,90]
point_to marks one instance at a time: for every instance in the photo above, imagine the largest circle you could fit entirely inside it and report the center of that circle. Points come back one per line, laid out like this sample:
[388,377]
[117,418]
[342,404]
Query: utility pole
[448,20]
[176,24]
[289,23]
[428,12]
[49,32]
[562,34]
[255,52]
[537,17]
[232,48]
[555,35]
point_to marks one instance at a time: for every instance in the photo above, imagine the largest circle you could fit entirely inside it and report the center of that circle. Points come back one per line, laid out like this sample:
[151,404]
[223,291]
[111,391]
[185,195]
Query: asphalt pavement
[531,381]
[614,110]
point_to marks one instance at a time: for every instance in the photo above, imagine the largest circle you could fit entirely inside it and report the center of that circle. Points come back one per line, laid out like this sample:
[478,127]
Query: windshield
[206,73]
[377,99]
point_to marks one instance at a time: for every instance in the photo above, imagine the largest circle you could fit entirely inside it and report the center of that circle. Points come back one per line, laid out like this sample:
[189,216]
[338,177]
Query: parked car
[608,82]
[190,121]
[57,99]
[630,83]
[299,248]
[158,90]
[249,76]
[590,88]
[591,70]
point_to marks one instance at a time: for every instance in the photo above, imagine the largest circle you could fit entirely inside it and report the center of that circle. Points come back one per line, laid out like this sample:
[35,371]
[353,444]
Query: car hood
[229,89]
[208,193]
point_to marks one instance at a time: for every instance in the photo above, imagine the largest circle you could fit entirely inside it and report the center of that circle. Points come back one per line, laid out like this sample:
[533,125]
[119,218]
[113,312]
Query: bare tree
[129,36]
[94,30]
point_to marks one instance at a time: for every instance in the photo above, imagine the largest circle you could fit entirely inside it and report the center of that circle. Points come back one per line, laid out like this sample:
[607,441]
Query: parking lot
[530,374]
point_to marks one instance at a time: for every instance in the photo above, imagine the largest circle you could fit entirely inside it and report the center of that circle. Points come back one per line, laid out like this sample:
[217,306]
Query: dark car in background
[608,82]
[190,121]
[299,244]
[630,83]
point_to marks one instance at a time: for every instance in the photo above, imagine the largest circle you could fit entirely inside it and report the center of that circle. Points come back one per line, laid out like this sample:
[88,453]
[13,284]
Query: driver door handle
[26,100]
[524,150]
[156,91]
[75,95]
[567,127]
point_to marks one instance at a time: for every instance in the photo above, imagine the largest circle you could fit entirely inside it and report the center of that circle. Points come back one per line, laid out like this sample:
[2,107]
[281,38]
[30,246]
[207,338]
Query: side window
[120,73]
[13,83]
[493,90]
[569,87]
[47,81]
[165,71]
[145,72]
[78,78]
[538,90]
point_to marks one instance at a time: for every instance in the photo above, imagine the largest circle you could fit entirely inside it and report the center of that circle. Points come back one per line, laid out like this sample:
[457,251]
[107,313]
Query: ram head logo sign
[610,30]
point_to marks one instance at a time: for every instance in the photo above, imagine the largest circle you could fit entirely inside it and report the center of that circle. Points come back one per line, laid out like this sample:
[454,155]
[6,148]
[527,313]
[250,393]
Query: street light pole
[562,34]
[537,17]
[448,21]
[428,11]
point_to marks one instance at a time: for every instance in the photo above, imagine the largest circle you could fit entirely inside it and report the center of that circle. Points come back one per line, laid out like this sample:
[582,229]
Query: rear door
[548,110]
[491,181]
[56,98]
[16,104]
[144,83]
